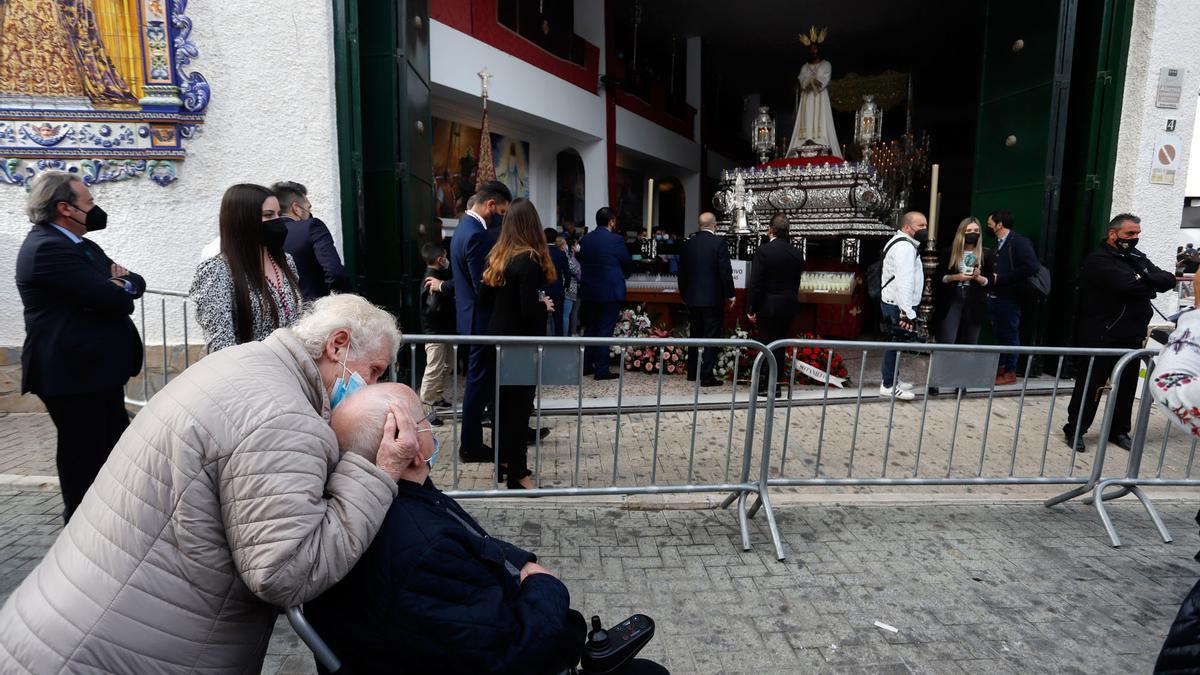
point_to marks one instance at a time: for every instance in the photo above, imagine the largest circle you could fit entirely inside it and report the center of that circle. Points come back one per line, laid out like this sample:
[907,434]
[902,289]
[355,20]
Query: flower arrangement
[816,357]
[727,357]
[631,323]
[646,359]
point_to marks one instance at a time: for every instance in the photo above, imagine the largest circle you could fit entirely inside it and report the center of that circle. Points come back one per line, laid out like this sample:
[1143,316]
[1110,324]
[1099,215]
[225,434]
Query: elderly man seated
[434,592]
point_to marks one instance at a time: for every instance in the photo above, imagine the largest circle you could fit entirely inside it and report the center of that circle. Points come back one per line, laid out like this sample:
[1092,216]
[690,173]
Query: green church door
[1021,125]
[385,147]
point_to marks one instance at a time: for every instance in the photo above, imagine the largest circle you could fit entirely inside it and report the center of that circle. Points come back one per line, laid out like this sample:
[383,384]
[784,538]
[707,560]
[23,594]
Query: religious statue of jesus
[814,114]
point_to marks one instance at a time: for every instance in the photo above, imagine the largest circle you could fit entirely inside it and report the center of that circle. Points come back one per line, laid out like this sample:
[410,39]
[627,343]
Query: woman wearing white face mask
[227,498]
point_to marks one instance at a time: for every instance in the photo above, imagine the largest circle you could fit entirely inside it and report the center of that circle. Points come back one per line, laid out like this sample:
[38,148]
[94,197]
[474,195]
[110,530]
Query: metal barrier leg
[1153,512]
[1108,497]
[743,522]
[308,634]
[1067,496]
[1104,517]
[729,500]
[764,499]
[756,506]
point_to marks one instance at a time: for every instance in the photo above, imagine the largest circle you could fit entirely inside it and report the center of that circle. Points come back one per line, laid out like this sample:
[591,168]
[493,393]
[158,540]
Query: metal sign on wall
[97,89]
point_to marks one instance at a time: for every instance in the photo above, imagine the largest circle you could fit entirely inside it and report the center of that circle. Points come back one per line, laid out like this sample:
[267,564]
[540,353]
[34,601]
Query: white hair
[359,421]
[370,327]
[47,190]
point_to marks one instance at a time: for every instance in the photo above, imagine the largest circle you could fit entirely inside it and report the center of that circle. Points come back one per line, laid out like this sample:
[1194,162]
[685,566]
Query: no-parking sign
[1166,159]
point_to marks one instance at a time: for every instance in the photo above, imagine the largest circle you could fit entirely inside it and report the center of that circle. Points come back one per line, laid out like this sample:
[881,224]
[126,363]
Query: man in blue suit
[606,263]
[80,345]
[1015,261]
[311,244]
[473,239]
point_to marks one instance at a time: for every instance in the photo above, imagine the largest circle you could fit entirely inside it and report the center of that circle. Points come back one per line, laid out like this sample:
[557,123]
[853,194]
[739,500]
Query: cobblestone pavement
[983,588]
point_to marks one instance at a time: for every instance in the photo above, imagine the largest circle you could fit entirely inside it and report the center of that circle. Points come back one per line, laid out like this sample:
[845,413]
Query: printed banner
[818,374]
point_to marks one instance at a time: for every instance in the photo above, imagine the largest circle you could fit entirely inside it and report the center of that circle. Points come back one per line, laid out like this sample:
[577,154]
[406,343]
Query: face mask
[437,450]
[1126,245]
[971,238]
[342,388]
[921,235]
[274,232]
[96,219]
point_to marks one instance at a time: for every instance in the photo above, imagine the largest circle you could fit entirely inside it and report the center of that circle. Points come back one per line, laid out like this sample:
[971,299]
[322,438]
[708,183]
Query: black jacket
[975,304]
[317,261]
[557,289]
[79,338]
[1015,262]
[775,279]
[1115,290]
[705,273]
[1181,651]
[434,593]
[515,307]
[437,309]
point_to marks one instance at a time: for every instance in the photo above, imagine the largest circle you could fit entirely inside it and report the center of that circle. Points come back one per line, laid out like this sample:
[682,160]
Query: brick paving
[980,588]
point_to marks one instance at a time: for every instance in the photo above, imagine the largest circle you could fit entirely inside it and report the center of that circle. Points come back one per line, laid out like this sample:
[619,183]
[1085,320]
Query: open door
[385,142]
[1021,129]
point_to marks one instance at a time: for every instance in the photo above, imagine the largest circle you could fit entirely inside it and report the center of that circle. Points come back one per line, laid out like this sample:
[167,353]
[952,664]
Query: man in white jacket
[902,279]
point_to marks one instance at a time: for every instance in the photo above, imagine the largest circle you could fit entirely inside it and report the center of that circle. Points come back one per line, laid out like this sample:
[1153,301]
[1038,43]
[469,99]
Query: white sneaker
[906,386]
[896,393]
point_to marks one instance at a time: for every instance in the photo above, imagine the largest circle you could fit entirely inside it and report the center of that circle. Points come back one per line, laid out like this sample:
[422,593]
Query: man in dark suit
[80,345]
[473,239]
[605,264]
[310,243]
[1015,261]
[771,300]
[706,286]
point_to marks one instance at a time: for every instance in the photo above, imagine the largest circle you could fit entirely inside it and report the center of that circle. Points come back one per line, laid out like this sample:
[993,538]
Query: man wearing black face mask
[80,345]
[1116,284]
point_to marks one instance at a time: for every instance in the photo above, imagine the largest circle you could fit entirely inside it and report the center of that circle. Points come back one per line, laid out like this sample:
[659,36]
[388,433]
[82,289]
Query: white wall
[272,117]
[1163,34]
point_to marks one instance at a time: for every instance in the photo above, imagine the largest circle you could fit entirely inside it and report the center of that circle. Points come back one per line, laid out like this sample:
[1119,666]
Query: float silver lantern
[764,135]
[868,121]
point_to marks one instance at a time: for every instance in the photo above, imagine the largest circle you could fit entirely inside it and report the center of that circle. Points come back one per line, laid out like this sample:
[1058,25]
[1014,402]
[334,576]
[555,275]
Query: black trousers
[88,426]
[1101,370]
[515,407]
[705,323]
[771,328]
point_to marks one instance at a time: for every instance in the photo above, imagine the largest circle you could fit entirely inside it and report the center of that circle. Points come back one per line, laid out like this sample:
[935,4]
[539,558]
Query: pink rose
[637,364]
[649,367]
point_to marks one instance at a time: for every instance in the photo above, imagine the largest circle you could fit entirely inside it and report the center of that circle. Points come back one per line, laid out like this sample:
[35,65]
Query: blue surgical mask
[437,450]
[344,387]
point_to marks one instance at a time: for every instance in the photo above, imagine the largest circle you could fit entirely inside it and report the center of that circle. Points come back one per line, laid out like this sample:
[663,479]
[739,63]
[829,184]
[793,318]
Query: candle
[650,208]
[933,199]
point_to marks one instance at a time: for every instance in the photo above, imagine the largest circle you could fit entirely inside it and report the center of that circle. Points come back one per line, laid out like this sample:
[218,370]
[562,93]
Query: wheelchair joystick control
[607,651]
[598,637]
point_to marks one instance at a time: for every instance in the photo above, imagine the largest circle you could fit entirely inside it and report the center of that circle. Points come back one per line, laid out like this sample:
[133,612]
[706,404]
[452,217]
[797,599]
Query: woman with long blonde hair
[518,269]
[963,273]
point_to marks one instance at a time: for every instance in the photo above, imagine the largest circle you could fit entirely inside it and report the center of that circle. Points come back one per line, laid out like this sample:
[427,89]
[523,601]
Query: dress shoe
[712,382]
[435,421]
[481,456]
[1069,439]
[1122,441]
[600,377]
[1006,378]
[691,377]
[532,435]
[442,404]
[588,370]
[762,393]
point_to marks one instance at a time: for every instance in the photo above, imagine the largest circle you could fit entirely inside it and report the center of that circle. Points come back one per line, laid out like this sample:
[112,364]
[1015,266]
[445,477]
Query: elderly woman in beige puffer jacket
[226,498]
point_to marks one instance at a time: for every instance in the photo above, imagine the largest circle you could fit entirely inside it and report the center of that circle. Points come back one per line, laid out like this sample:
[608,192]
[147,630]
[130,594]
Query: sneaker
[906,386]
[896,393]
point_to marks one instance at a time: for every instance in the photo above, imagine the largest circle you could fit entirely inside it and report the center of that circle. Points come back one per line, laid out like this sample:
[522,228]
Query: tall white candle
[650,207]
[933,199]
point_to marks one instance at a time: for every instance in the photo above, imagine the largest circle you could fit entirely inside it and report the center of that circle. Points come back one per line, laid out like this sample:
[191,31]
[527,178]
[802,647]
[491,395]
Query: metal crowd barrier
[172,304]
[1132,482]
[956,370]
[542,361]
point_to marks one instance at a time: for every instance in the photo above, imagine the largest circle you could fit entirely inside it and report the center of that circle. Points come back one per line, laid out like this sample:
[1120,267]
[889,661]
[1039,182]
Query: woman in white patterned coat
[225,499]
[251,288]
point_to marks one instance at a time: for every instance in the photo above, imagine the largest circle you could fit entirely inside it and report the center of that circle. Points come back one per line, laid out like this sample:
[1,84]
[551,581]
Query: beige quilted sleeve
[297,513]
